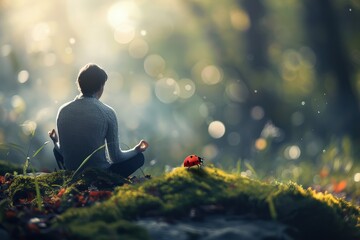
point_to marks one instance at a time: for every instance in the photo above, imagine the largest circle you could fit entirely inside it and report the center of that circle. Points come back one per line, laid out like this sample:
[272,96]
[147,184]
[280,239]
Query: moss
[316,215]
[98,178]
[101,230]
[55,178]
[134,203]
[176,194]
[23,187]
[312,214]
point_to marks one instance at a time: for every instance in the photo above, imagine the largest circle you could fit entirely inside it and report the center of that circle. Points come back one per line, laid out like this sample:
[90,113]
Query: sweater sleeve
[112,139]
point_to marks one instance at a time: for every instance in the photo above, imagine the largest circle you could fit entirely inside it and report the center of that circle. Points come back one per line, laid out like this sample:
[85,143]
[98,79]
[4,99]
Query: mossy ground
[177,196]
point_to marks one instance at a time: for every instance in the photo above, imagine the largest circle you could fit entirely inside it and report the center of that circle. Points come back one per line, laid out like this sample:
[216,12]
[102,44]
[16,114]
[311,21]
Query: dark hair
[91,78]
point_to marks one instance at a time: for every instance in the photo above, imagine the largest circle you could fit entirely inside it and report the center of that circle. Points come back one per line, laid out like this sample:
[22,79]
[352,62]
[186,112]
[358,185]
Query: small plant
[37,190]
[27,163]
[238,167]
[20,149]
[251,168]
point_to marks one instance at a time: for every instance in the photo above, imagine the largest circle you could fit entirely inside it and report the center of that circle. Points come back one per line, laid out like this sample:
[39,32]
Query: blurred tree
[262,52]
[256,35]
[229,55]
[342,115]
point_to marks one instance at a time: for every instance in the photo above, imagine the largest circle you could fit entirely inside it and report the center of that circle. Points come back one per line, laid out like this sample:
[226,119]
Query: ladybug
[193,160]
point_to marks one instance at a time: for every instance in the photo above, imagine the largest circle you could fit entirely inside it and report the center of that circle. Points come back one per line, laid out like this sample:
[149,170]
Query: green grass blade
[238,167]
[30,142]
[26,165]
[27,161]
[85,161]
[37,189]
[39,150]
[248,165]
[272,208]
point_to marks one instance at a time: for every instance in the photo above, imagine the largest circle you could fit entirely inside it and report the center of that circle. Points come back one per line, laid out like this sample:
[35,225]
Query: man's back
[86,124]
[82,125]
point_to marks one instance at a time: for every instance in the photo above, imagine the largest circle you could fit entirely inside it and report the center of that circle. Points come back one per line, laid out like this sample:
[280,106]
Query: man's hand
[142,146]
[53,135]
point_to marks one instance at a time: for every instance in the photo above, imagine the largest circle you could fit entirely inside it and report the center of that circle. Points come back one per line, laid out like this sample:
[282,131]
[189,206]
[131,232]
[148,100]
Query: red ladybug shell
[192,160]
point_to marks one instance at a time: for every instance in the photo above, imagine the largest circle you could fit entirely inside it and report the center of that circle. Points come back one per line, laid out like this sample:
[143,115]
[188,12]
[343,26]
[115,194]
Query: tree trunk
[342,116]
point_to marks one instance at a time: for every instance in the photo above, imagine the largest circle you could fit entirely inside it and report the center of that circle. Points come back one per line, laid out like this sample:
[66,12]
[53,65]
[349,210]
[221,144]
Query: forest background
[268,89]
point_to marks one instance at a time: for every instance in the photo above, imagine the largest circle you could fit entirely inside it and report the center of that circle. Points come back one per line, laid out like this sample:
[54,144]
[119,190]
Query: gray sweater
[84,125]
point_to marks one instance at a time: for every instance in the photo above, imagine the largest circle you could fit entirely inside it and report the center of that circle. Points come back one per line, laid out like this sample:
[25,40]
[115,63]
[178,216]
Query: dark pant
[59,159]
[128,167]
[124,168]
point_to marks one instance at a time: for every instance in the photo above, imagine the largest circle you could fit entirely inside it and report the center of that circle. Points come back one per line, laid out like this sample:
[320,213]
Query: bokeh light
[240,20]
[167,90]
[260,144]
[216,129]
[187,88]
[257,113]
[29,127]
[210,151]
[123,12]
[72,41]
[23,76]
[124,34]
[292,152]
[236,91]
[357,177]
[138,48]
[154,65]
[211,75]
[18,104]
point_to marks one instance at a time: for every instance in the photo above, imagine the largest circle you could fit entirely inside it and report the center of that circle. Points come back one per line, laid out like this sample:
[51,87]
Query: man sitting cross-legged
[85,124]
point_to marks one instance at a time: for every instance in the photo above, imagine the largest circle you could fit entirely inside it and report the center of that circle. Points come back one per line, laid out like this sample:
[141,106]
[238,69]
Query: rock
[216,228]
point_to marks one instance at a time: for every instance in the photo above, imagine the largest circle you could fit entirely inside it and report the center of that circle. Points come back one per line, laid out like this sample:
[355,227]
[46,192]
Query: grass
[312,214]
[20,149]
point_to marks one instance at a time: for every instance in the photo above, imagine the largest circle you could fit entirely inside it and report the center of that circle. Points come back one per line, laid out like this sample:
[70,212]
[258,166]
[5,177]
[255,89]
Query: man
[85,124]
